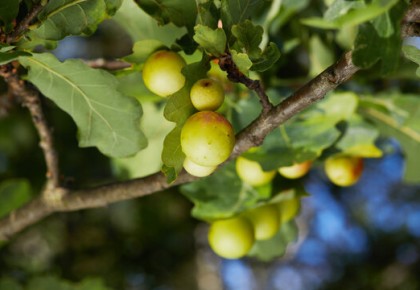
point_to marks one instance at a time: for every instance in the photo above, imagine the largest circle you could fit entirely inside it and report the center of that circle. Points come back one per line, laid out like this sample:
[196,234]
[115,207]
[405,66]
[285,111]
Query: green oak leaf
[249,37]
[180,12]
[306,136]
[11,55]
[105,118]
[365,52]
[235,11]
[142,27]
[208,14]
[398,116]
[213,41]
[241,60]
[350,13]
[223,194]
[267,59]
[413,54]
[61,18]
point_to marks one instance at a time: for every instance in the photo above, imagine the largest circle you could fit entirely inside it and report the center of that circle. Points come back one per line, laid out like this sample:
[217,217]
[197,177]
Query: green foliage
[212,41]
[8,11]
[398,116]
[350,13]
[105,118]
[308,135]
[275,247]
[142,27]
[179,12]
[413,54]
[223,194]
[13,194]
[371,36]
[52,283]
[71,17]
[8,54]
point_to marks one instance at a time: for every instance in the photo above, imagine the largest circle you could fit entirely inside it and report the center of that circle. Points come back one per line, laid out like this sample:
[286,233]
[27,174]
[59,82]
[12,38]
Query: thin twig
[23,25]
[31,100]
[107,64]
[235,75]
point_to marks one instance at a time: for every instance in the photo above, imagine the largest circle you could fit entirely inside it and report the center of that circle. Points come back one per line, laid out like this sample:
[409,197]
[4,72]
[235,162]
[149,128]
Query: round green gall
[196,169]
[207,138]
[265,220]
[344,170]
[207,95]
[252,173]
[231,238]
[288,209]
[162,73]
[296,170]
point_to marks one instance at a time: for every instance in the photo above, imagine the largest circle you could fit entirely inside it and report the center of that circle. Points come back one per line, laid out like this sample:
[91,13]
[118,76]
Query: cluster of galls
[207,137]
[234,237]
[207,140]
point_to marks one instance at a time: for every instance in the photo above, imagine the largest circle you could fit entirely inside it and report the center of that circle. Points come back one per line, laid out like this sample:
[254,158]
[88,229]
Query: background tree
[276,60]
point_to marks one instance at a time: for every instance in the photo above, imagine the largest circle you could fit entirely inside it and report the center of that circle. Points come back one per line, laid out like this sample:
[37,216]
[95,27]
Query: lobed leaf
[105,118]
[398,116]
[61,18]
[180,12]
[223,194]
[213,41]
[143,28]
[235,11]
[366,52]
[307,136]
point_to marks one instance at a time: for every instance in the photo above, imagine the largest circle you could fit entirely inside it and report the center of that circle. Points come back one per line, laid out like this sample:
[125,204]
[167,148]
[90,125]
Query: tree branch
[251,136]
[235,75]
[107,64]
[31,100]
[23,25]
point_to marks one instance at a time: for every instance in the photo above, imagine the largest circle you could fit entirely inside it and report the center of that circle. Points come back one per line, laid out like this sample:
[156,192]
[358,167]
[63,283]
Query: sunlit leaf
[60,18]
[142,27]
[213,41]
[105,118]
